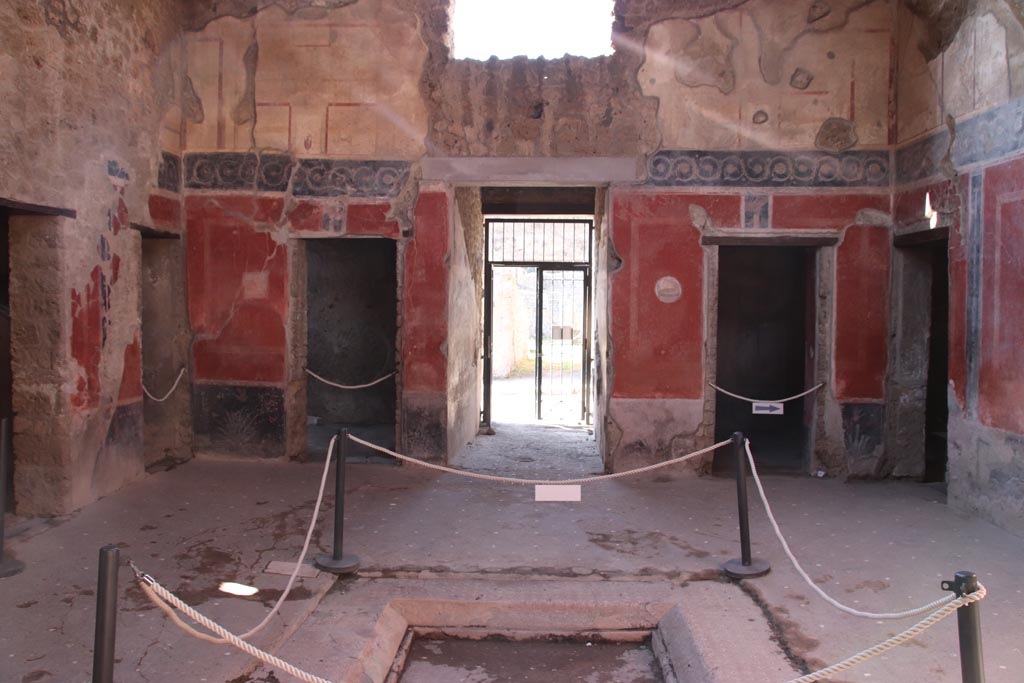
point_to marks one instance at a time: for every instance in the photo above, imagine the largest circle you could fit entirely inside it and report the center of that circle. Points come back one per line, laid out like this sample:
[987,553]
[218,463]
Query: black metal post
[8,565]
[106,615]
[968,618]
[338,562]
[746,567]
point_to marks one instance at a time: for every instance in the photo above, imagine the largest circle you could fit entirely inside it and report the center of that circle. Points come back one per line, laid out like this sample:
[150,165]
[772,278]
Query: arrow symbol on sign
[768,408]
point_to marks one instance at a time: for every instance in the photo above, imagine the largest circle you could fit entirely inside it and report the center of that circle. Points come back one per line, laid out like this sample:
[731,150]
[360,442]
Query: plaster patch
[668,289]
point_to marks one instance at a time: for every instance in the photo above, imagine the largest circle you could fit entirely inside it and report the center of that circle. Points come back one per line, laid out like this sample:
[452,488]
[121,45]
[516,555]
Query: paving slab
[877,546]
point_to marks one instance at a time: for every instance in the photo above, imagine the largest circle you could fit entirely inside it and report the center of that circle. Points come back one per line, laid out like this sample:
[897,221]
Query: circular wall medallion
[668,289]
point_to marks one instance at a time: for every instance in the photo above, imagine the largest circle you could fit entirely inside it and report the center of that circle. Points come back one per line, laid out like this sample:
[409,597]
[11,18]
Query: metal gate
[558,252]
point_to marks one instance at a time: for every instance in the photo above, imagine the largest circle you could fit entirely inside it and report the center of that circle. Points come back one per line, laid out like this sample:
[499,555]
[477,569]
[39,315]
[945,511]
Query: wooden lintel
[920,237]
[787,240]
[15,208]
[149,233]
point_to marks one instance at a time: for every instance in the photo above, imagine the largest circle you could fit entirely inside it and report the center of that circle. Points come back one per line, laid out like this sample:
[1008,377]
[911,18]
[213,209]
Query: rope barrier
[911,633]
[181,374]
[758,400]
[160,600]
[157,592]
[538,482]
[800,570]
[349,386]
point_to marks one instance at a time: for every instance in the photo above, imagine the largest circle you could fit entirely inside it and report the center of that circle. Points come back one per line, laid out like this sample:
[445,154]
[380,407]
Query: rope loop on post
[759,400]
[349,386]
[166,396]
[538,482]
[900,638]
[803,574]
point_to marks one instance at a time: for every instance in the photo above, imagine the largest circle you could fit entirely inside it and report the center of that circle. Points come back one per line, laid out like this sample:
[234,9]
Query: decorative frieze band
[312,177]
[768,169]
[238,171]
[996,133]
[338,177]
[168,175]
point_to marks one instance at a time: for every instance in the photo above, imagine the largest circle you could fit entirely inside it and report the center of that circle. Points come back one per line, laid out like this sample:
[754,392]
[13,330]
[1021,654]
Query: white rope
[758,400]
[291,579]
[800,570]
[349,386]
[168,394]
[911,633]
[538,482]
[155,590]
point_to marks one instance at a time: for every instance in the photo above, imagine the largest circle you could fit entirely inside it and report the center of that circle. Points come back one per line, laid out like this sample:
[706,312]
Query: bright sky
[535,28]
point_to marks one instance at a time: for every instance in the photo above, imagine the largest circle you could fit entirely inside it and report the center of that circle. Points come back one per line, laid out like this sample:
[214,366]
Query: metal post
[337,562]
[106,615]
[8,565]
[968,618]
[746,567]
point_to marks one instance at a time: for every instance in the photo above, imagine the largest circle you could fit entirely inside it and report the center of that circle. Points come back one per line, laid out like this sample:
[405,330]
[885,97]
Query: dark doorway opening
[167,420]
[936,403]
[352,324]
[765,336]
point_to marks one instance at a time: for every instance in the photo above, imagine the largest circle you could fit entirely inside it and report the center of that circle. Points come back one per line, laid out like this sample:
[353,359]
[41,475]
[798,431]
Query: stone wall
[750,120]
[462,351]
[89,94]
[961,141]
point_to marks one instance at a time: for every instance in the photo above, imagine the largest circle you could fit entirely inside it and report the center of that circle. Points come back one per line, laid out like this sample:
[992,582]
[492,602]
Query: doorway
[765,336]
[352,324]
[936,402]
[537,321]
[166,340]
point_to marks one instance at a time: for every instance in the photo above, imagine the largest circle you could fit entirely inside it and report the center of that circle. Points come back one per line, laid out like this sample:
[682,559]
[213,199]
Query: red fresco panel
[822,211]
[425,297]
[862,313]
[237,288]
[659,347]
[165,212]
[87,340]
[131,375]
[371,219]
[1001,381]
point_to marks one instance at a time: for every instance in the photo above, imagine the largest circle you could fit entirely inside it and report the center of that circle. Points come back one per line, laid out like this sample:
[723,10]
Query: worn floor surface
[878,546]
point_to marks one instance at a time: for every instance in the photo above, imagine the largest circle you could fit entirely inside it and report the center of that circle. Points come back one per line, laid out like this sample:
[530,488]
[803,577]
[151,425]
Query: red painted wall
[165,212]
[1001,382]
[862,313]
[237,288]
[425,297]
[369,220]
[659,346]
[822,211]
[87,340]
[131,375]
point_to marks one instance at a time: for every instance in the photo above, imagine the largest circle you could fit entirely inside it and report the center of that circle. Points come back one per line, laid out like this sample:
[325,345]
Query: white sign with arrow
[768,408]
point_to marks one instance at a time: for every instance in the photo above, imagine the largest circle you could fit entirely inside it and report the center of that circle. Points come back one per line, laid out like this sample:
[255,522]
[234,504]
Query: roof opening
[533,28]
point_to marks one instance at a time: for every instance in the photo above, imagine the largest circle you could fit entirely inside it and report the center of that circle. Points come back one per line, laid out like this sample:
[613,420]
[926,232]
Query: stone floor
[430,543]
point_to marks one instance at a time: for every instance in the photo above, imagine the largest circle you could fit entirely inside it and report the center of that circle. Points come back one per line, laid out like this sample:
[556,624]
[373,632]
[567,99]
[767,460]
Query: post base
[10,566]
[735,569]
[348,564]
